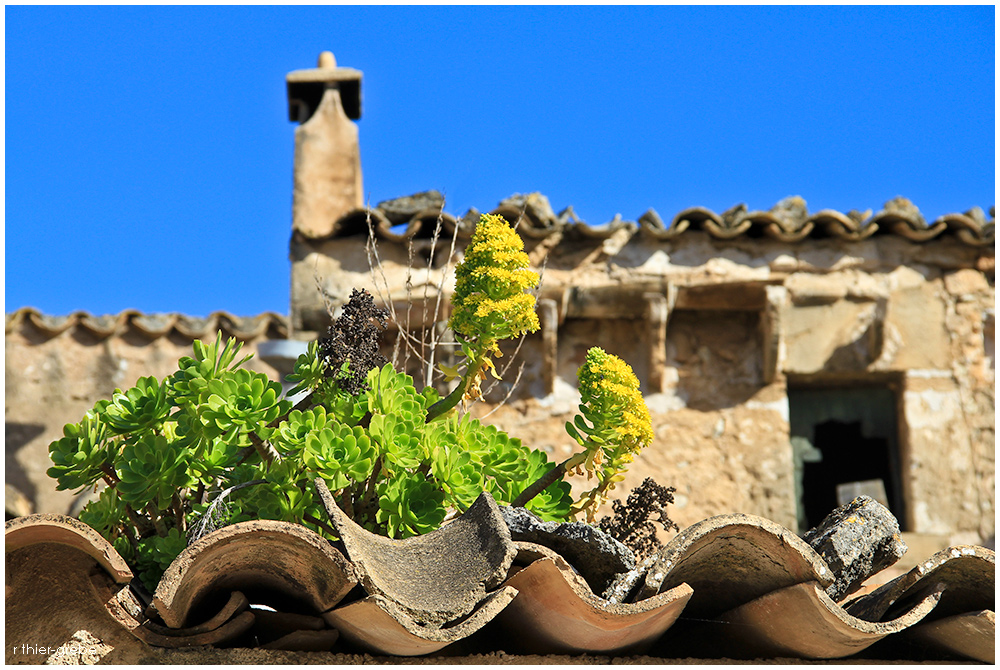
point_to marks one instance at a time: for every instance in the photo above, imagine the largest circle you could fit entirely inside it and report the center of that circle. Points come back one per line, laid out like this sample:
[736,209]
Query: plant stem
[161,530]
[448,402]
[178,512]
[302,405]
[263,448]
[266,451]
[109,475]
[367,504]
[127,532]
[324,526]
[134,518]
[550,477]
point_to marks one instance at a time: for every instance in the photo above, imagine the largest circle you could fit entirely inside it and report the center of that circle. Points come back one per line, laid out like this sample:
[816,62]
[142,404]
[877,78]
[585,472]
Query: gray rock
[905,209]
[792,212]
[856,540]
[597,556]
[401,210]
[535,205]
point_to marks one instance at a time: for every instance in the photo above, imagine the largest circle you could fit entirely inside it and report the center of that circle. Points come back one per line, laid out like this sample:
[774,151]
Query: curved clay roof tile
[652,226]
[425,223]
[802,621]
[555,611]
[732,559]
[971,228]
[154,325]
[26,531]
[731,224]
[525,221]
[854,226]
[282,558]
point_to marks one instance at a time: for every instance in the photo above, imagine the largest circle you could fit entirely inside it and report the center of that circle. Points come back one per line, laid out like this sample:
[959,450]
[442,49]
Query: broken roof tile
[380,625]
[436,578]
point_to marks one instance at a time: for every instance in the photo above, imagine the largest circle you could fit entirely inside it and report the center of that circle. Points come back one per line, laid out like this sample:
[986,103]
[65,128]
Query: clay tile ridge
[151,326]
[737,582]
[422,215]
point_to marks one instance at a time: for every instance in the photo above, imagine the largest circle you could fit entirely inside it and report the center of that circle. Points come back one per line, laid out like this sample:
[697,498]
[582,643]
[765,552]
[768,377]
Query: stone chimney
[327,179]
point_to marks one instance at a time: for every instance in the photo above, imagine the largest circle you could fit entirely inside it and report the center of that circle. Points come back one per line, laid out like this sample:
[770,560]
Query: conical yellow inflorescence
[489,303]
[620,423]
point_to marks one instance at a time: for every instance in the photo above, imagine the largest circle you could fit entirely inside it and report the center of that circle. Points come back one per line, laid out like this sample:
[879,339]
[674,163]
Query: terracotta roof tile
[151,326]
[283,559]
[556,612]
[747,582]
[788,221]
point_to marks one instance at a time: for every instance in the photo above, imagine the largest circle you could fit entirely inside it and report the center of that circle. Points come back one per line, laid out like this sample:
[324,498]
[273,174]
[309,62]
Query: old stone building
[788,358]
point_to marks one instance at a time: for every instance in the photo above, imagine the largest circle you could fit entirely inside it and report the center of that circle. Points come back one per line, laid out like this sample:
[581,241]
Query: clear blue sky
[149,155]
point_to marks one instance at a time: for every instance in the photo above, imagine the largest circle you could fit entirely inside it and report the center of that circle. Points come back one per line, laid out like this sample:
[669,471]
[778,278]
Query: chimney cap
[305,87]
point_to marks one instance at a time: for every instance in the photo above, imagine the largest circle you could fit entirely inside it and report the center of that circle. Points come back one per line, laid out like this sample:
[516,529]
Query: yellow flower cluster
[489,303]
[611,400]
[612,386]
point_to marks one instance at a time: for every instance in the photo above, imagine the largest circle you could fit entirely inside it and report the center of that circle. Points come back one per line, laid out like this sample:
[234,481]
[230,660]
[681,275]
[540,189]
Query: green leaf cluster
[167,451]
[162,445]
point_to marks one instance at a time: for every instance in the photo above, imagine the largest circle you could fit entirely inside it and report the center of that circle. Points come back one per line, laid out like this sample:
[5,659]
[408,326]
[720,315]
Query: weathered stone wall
[53,377]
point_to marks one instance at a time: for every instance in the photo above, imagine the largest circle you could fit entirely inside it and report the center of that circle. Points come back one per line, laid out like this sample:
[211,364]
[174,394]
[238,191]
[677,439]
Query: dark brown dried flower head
[632,523]
[354,339]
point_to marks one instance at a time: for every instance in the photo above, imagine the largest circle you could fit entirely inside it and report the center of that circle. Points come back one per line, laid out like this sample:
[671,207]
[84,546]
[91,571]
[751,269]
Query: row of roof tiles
[732,586]
[422,215]
[152,326]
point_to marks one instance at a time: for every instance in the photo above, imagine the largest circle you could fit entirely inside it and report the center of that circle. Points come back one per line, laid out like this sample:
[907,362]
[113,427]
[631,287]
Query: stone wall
[56,369]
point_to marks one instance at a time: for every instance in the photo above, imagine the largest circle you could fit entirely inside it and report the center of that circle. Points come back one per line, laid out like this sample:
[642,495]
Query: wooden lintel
[658,309]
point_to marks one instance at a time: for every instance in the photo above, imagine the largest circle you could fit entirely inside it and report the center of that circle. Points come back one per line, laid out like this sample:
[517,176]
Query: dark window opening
[844,443]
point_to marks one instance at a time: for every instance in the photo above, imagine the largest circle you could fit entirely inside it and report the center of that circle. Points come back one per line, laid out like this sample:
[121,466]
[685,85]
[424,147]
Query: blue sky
[149,155]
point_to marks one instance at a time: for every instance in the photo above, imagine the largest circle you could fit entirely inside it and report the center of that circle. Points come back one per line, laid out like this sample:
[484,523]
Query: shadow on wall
[17,436]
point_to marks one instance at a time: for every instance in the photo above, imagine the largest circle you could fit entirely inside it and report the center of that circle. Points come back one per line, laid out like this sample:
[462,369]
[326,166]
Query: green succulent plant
[79,458]
[216,443]
[152,469]
[143,407]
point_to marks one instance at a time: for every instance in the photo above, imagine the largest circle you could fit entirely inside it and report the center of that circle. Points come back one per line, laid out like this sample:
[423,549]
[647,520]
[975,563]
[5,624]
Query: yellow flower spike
[621,425]
[489,303]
